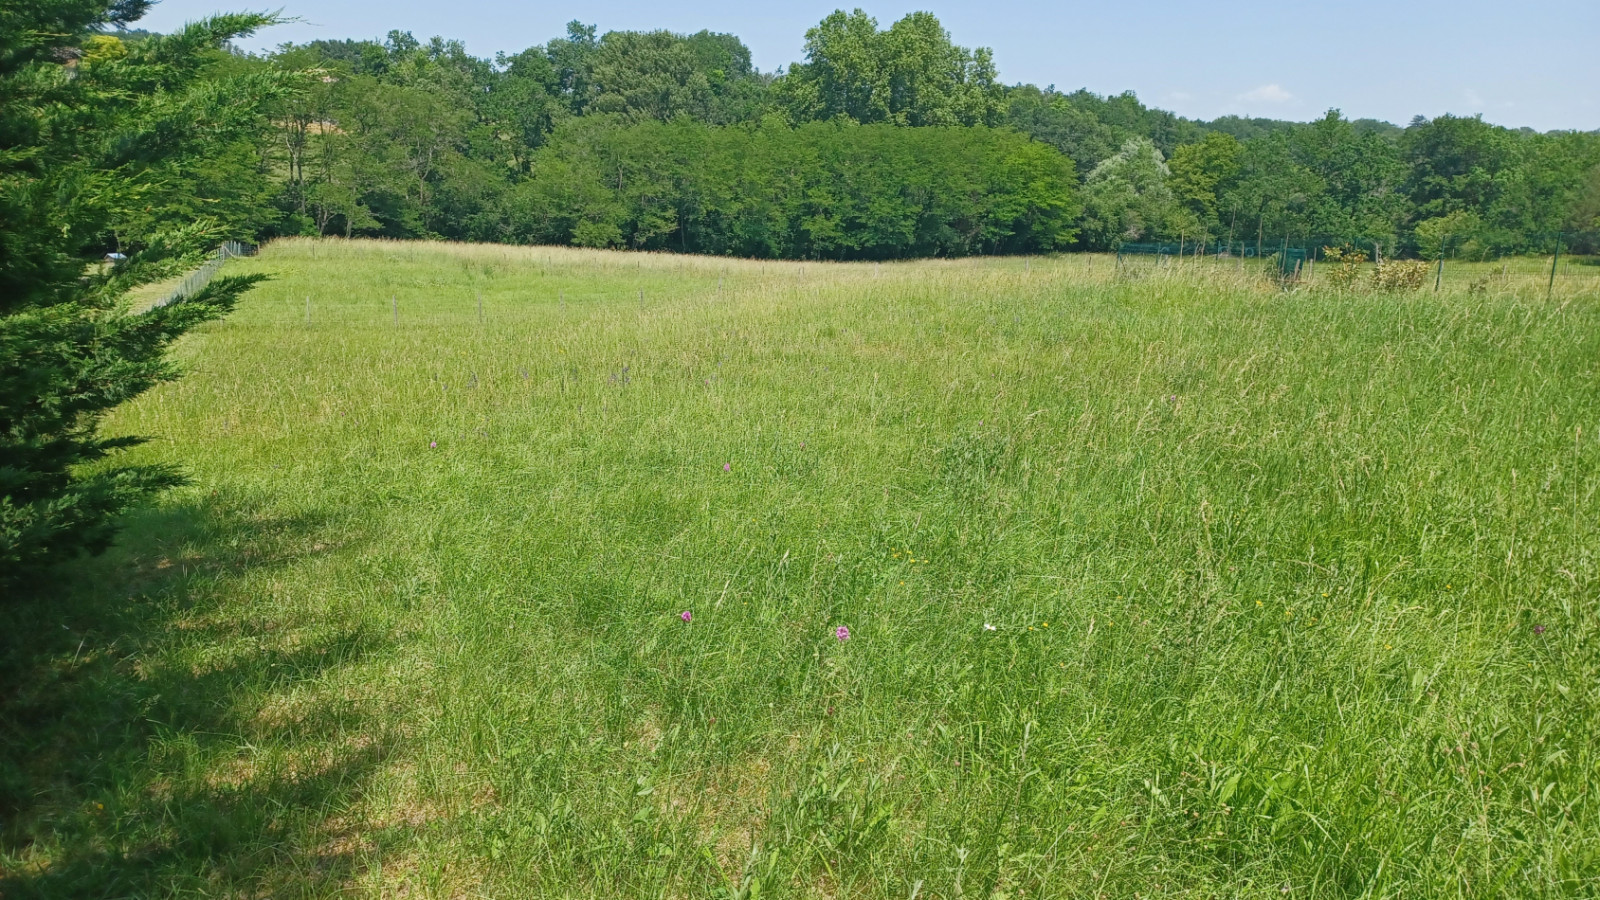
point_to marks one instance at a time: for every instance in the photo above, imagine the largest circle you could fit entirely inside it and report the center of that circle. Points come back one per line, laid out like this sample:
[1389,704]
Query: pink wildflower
[686,615]
[842,633]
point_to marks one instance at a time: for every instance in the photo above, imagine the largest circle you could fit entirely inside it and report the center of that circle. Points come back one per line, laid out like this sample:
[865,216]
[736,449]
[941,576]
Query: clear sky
[1531,63]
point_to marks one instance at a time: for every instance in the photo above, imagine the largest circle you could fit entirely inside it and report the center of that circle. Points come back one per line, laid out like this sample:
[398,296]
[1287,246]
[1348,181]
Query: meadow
[542,572]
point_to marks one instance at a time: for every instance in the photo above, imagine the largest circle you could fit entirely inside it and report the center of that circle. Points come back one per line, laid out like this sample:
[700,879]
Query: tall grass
[1159,581]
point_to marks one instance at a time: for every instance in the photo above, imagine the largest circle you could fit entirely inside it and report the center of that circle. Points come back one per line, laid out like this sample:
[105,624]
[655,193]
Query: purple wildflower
[686,615]
[842,633]
[1538,629]
[727,467]
[433,445]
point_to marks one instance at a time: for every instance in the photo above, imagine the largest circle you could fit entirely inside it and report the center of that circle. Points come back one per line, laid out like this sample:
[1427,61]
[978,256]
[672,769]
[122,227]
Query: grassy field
[520,572]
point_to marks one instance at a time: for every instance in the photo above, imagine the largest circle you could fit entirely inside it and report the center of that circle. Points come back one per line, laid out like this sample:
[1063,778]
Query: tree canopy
[409,138]
[819,190]
[910,74]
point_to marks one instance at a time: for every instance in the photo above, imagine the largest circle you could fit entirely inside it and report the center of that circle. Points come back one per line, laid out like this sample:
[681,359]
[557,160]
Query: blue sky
[1535,63]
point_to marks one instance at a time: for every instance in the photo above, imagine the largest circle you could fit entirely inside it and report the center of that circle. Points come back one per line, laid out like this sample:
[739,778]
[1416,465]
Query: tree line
[584,140]
[813,191]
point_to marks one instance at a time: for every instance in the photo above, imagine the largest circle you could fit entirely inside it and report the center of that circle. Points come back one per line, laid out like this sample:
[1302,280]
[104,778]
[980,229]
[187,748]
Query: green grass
[1289,592]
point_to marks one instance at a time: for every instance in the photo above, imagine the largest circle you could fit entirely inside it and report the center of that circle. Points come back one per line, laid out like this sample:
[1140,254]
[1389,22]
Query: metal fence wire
[1293,258]
[1453,247]
[202,276]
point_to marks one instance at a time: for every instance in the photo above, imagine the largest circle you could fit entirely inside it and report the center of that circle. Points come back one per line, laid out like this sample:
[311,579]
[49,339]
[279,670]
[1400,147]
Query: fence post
[1551,289]
[1438,276]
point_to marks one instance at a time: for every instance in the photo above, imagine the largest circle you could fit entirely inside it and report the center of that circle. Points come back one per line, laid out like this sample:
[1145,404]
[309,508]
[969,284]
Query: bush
[1453,235]
[1344,265]
[1398,275]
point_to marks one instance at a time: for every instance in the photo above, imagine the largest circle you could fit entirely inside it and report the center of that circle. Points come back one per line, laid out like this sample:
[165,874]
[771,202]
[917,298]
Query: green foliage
[1522,187]
[661,76]
[572,59]
[1457,163]
[1245,128]
[407,138]
[1126,198]
[1069,127]
[818,191]
[1202,173]
[910,74]
[1358,177]
[1090,128]
[142,148]
[1327,179]
[1453,234]
[1585,214]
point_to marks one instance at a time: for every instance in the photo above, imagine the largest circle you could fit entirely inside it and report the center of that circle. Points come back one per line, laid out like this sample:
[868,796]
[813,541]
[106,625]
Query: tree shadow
[131,708]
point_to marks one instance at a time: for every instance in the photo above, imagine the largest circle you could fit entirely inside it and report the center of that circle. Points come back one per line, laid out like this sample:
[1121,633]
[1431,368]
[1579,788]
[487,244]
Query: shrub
[1396,275]
[1344,265]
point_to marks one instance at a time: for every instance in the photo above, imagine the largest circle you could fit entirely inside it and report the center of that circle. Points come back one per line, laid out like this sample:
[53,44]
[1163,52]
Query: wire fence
[199,278]
[1466,248]
[1449,258]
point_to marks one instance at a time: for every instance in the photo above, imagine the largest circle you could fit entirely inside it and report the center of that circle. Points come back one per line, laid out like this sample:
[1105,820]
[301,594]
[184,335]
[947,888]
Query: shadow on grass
[130,697]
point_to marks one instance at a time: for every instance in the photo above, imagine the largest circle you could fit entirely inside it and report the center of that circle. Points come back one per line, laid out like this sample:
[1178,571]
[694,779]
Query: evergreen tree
[92,137]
